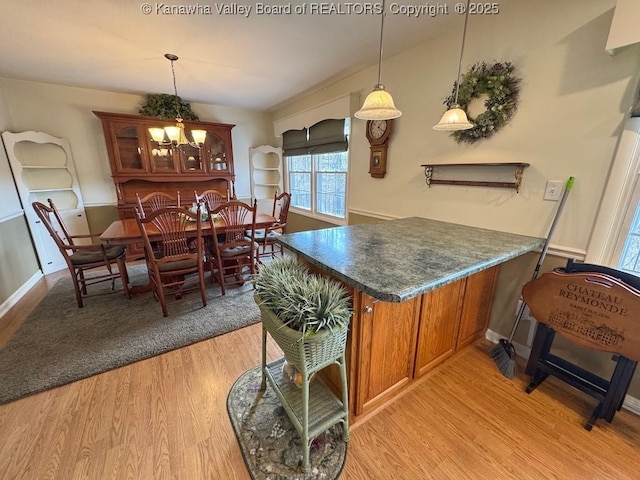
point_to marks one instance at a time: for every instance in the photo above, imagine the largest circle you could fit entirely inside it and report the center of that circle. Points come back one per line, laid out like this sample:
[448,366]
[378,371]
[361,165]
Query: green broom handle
[523,305]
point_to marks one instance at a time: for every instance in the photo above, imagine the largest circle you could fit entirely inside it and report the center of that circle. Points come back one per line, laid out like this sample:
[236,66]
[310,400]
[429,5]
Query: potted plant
[307,315]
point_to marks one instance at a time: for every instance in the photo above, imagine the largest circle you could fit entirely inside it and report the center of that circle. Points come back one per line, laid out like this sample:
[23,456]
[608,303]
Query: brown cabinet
[476,308]
[439,325]
[139,164]
[387,348]
[392,344]
[452,317]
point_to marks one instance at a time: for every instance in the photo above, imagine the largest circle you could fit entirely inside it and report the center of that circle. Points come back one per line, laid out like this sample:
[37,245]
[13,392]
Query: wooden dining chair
[173,250]
[82,259]
[233,252]
[212,198]
[266,237]
[157,200]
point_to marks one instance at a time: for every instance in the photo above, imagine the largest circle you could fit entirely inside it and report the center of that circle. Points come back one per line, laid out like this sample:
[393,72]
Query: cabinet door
[218,152]
[439,322]
[129,147]
[163,156]
[386,347]
[191,159]
[478,298]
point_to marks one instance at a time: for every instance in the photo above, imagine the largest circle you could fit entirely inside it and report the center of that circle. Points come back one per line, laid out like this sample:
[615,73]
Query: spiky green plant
[303,301]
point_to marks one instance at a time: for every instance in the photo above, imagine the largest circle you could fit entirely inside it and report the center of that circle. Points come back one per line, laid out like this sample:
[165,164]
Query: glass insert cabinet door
[217,153]
[129,151]
[191,157]
[162,157]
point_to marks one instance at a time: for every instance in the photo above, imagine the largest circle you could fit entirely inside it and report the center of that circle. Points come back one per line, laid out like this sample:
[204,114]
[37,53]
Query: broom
[504,353]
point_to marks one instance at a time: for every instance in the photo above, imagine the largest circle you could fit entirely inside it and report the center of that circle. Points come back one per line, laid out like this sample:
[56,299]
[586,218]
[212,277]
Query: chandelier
[175,133]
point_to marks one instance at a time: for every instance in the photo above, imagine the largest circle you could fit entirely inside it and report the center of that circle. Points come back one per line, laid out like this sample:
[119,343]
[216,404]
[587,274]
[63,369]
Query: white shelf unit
[43,168]
[266,165]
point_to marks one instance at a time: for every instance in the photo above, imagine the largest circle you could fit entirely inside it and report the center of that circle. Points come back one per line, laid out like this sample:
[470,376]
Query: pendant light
[176,132]
[455,118]
[379,104]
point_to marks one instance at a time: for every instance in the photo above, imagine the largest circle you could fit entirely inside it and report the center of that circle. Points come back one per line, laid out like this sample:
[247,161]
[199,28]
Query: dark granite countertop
[396,260]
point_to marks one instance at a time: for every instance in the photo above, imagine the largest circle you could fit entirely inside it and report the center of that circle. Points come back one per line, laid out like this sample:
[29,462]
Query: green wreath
[502,88]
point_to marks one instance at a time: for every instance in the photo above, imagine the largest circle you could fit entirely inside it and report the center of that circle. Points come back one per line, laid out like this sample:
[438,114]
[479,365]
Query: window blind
[326,136]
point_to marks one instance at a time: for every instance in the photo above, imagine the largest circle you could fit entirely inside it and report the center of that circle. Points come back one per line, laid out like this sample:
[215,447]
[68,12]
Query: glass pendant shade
[378,106]
[453,119]
[173,133]
[157,134]
[199,136]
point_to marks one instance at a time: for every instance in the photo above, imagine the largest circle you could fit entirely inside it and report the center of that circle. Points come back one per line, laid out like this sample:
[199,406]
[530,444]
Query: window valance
[326,136]
[340,107]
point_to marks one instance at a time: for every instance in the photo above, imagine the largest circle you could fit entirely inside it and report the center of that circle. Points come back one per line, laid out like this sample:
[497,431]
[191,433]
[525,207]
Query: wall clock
[378,132]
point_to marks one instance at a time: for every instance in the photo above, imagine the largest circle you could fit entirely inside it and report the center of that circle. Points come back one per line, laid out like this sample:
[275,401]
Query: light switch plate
[553,190]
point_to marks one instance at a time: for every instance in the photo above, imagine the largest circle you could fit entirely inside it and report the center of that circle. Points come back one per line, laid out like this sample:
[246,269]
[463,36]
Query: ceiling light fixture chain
[172,58]
[464,38]
[381,46]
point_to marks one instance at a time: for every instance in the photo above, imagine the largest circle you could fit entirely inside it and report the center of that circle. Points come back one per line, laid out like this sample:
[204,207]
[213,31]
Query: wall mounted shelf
[519,171]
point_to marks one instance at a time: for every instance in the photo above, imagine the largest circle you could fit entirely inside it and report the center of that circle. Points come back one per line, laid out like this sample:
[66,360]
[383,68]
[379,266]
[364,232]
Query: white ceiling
[254,62]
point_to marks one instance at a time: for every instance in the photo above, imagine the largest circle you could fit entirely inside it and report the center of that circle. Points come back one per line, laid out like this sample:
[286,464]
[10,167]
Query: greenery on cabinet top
[166,106]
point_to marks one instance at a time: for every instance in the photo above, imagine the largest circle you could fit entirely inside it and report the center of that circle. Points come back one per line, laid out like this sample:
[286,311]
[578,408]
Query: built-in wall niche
[43,169]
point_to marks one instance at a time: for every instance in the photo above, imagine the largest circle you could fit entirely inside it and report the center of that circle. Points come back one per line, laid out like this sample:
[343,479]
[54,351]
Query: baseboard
[630,403]
[18,294]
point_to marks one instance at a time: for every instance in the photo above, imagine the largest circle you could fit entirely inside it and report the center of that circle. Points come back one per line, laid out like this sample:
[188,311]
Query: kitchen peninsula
[422,289]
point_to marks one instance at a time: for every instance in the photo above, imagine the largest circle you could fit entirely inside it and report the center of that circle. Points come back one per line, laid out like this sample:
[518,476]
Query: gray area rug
[270,444]
[60,343]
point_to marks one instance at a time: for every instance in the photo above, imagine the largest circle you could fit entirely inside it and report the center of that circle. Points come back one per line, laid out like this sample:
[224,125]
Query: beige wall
[574,98]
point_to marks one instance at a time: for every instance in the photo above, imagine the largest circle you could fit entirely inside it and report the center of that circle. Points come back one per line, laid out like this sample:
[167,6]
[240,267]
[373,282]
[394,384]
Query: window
[318,183]
[317,166]
[615,240]
[629,260]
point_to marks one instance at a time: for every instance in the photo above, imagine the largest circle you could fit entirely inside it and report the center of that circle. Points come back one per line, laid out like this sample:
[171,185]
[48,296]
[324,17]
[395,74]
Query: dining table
[127,232]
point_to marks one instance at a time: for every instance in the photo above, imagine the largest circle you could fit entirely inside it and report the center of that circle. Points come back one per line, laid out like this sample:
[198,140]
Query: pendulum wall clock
[378,132]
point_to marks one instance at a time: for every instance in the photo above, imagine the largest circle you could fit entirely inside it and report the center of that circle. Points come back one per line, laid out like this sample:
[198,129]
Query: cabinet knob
[368,309]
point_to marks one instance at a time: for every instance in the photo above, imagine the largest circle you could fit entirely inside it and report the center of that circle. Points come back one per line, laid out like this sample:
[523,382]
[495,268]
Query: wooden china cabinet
[141,165]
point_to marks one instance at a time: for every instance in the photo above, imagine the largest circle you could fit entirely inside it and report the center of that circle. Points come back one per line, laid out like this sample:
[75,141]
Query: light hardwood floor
[166,418]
